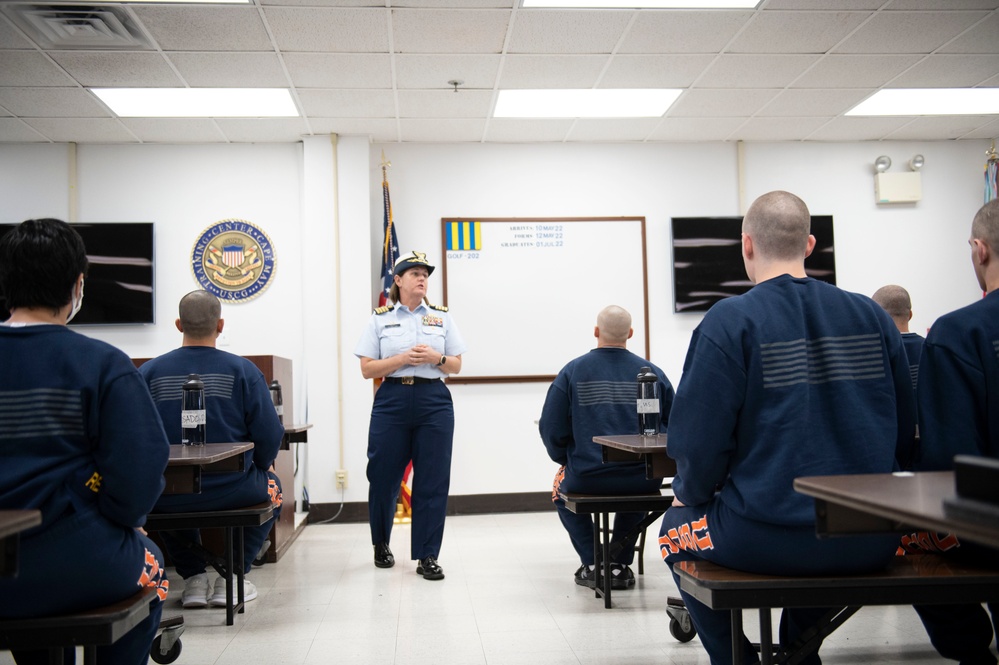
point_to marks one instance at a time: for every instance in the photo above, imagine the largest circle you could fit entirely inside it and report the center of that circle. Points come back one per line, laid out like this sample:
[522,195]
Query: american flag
[390,246]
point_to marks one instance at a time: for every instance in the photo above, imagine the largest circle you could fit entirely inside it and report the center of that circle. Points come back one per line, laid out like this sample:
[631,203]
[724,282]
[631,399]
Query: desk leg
[736,636]
[766,637]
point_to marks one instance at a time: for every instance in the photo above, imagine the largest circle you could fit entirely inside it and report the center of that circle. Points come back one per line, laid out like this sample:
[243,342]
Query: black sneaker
[586,577]
[621,576]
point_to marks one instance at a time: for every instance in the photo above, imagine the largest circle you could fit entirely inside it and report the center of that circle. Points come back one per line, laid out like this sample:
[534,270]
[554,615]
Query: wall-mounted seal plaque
[234,260]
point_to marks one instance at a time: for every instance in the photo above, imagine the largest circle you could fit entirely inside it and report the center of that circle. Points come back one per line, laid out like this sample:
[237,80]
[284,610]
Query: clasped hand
[422,354]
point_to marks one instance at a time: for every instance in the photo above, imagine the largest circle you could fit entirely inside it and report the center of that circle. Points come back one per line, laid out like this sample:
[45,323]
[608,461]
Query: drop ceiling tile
[456,31]
[444,103]
[11,38]
[907,32]
[949,71]
[853,128]
[115,69]
[682,31]
[795,32]
[551,71]
[755,71]
[654,71]
[348,103]
[230,70]
[442,131]
[598,130]
[720,103]
[527,130]
[458,4]
[567,31]
[777,129]
[52,102]
[855,71]
[826,4]
[206,28]
[949,4]
[263,130]
[434,71]
[30,68]
[13,130]
[987,131]
[332,29]
[323,3]
[979,39]
[939,128]
[174,130]
[380,129]
[805,103]
[82,130]
[695,129]
[339,70]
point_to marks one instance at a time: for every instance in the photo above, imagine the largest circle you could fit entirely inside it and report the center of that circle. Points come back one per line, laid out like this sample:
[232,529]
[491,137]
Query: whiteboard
[525,292]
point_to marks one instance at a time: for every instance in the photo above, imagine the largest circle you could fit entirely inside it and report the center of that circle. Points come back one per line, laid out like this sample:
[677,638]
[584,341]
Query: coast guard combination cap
[412,260]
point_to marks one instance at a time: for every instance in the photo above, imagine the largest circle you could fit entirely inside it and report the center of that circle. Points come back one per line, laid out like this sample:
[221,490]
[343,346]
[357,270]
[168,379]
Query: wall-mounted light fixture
[898,187]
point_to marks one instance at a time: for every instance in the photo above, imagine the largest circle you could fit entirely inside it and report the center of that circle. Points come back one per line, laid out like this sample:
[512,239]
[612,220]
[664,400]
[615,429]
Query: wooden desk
[12,523]
[888,502]
[295,434]
[187,463]
[638,448]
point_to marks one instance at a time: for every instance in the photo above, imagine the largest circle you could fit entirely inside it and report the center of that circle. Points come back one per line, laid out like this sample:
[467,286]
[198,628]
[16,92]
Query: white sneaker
[196,591]
[218,595]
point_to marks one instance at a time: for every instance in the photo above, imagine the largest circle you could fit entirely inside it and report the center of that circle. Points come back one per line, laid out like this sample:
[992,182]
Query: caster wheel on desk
[680,625]
[172,653]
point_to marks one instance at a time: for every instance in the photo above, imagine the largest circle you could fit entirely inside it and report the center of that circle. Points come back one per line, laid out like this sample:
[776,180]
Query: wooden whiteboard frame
[546,378]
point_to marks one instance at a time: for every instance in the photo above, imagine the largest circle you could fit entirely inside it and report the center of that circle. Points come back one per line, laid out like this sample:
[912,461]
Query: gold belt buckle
[407,381]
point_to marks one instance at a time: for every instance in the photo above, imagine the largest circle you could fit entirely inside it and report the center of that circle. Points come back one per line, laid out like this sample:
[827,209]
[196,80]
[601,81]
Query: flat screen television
[707,259]
[119,285]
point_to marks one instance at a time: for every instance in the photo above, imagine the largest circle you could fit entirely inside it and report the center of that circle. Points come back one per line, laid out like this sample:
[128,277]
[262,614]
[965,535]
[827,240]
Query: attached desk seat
[908,580]
[655,504]
[232,523]
[90,628]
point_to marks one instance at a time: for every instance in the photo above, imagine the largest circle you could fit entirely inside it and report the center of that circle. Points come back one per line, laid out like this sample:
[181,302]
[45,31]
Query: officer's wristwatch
[442,361]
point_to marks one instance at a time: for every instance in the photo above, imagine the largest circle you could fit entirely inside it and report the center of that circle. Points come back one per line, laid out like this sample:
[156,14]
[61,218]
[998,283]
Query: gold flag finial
[385,164]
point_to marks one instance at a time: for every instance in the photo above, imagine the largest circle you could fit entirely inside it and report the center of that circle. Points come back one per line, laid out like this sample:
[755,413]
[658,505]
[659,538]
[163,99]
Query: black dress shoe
[383,556]
[429,569]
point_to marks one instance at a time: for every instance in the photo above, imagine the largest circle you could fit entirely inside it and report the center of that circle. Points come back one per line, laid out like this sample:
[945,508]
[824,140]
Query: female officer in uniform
[412,345]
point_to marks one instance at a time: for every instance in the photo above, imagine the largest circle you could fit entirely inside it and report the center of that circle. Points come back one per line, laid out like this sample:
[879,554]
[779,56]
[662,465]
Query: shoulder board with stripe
[439,308]
[384,310]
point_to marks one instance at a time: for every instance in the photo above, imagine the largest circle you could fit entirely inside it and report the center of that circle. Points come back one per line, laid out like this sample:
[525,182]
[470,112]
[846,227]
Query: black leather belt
[409,380]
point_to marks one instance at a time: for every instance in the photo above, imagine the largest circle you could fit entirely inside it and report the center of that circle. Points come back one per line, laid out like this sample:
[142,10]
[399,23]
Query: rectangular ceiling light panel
[643,4]
[198,102]
[930,101]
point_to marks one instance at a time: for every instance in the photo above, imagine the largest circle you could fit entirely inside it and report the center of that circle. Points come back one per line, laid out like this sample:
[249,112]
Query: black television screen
[119,284]
[707,259]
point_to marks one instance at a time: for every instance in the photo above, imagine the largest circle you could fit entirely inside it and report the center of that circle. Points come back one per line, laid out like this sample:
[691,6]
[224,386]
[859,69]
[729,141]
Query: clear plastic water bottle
[192,412]
[649,412]
[277,399]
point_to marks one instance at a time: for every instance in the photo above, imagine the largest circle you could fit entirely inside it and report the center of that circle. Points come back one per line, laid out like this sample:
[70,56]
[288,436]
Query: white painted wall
[307,196]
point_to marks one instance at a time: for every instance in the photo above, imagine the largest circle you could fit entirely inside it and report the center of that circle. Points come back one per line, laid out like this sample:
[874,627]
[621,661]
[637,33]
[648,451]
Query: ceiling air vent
[79,27]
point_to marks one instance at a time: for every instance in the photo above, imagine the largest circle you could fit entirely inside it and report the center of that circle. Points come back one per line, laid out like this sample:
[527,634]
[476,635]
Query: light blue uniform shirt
[400,329]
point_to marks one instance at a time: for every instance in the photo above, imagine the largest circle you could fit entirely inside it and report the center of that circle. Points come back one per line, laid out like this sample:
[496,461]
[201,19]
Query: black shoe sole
[384,564]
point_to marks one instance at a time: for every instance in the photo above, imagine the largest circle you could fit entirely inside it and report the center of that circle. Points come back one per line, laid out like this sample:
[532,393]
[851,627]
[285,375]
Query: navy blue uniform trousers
[712,532]
[255,487]
[580,527]
[415,423]
[83,561]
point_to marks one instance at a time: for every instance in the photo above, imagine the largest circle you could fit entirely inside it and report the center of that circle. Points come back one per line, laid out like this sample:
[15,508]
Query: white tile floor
[508,598]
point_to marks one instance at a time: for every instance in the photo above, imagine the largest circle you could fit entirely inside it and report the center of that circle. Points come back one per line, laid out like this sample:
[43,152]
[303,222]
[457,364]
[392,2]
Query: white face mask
[77,304]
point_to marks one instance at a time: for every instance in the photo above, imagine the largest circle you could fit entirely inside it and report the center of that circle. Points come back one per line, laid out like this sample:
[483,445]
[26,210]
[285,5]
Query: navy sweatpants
[256,486]
[580,527]
[712,532]
[83,561]
[411,422]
